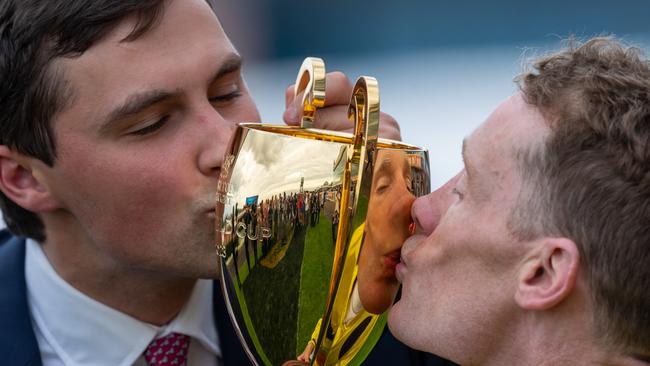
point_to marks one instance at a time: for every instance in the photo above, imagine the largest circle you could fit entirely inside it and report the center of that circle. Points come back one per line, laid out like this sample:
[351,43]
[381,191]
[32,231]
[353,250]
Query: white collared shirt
[73,329]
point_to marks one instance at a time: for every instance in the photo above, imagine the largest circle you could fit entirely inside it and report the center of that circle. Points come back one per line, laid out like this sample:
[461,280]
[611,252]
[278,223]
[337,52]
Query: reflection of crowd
[259,226]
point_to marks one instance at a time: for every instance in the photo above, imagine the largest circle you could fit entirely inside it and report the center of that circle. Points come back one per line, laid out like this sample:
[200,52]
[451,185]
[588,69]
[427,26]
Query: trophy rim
[327,135]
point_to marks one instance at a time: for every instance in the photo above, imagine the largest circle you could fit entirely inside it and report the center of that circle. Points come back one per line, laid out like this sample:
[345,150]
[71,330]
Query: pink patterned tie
[168,350]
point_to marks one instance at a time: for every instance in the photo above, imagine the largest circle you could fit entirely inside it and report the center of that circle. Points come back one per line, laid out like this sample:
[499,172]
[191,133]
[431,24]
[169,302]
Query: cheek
[398,214]
[389,217]
[467,254]
[444,261]
[125,193]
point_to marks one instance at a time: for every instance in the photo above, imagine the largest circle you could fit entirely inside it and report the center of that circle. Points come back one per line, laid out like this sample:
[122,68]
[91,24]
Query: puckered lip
[211,212]
[392,259]
[399,271]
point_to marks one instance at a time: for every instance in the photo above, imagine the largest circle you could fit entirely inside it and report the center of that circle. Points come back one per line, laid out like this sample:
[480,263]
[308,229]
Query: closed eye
[149,129]
[226,97]
[383,183]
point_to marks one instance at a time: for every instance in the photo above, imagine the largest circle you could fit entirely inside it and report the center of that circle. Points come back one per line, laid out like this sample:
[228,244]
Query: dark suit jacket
[18,345]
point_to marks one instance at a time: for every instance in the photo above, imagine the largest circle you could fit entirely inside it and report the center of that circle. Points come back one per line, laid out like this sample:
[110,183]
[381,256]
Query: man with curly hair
[538,251]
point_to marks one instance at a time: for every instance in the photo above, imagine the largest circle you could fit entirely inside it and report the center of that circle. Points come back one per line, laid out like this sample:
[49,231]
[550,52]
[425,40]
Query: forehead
[391,157]
[514,126]
[187,38]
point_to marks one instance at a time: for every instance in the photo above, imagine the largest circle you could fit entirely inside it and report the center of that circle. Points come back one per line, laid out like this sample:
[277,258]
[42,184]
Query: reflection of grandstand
[331,200]
[333,191]
[339,162]
[419,174]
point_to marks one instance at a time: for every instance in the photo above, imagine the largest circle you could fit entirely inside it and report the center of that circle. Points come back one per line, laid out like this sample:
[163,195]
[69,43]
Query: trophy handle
[363,111]
[311,81]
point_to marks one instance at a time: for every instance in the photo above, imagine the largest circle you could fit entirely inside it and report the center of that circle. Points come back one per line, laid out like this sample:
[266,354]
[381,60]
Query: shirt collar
[82,330]
[196,319]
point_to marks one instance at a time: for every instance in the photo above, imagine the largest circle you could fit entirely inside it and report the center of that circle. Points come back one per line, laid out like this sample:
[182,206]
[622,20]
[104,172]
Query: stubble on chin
[196,255]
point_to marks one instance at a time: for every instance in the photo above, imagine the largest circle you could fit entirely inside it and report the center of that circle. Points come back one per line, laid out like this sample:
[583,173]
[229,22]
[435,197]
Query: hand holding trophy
[309,229]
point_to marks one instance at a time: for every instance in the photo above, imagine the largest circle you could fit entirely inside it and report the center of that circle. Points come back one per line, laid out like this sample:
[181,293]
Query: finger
[389,133]
[333,118]
[338,89]
[288,95]
[389,128]
[293,110]
[336,119]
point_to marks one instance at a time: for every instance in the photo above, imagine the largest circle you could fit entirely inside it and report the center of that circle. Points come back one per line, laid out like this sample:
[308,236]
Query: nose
[400,211]
[427,211]
[215,133]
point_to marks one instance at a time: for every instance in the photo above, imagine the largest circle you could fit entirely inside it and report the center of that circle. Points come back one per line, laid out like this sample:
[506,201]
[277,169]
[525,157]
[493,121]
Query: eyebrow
[137,102]
[232,63]
[384,167]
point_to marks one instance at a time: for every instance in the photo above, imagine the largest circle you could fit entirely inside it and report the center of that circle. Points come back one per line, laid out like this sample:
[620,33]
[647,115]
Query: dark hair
[32,34]
[590,180]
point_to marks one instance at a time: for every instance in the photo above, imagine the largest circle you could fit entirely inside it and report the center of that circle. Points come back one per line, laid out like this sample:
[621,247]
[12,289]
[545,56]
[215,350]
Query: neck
[557,337]
[149,296]
[580,355]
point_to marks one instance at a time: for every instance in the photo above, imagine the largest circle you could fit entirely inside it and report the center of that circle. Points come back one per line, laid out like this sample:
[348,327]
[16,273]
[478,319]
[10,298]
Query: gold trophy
[310,225]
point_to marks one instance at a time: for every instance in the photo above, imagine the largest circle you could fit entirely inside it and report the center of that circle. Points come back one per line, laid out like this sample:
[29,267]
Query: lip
[400,272]
[210,213]
[401,269]
[391,260]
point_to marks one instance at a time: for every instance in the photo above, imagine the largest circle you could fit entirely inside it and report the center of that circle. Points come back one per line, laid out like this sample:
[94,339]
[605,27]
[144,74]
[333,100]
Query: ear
[549,275]
[20,185]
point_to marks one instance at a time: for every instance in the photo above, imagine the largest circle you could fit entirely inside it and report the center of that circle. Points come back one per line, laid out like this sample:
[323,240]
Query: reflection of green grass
[274,291]
[249,326]
[315,275]
[362,209]
[243,269]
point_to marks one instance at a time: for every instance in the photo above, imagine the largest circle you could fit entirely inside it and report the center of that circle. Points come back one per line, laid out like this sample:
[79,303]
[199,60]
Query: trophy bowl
[310,225]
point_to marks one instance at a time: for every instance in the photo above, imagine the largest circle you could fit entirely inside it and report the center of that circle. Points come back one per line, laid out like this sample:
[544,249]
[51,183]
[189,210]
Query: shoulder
[12,262]
[18,344]
[12,249]
[5,236]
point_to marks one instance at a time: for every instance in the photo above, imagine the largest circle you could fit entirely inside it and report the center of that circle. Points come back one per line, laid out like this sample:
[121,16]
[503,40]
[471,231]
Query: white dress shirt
[74,329]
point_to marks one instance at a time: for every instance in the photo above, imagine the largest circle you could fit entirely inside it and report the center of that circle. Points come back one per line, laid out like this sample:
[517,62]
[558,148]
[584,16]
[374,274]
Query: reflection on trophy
[309,229]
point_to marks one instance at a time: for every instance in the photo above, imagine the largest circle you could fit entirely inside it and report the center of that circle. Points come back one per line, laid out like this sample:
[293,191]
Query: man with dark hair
[538,253]
[115,118]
